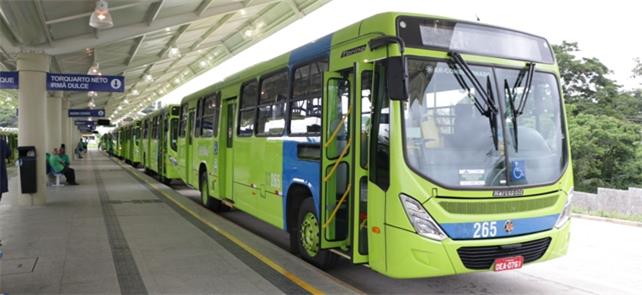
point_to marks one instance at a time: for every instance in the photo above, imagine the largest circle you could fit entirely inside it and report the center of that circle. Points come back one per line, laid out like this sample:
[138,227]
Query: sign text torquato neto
[77,82]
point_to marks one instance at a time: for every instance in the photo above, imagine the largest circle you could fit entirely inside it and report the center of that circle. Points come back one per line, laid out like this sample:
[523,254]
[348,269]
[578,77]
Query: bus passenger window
[196,130]
[209,121]
[174,133]
[182,127]
[274,91]
[249,98]
[307,89]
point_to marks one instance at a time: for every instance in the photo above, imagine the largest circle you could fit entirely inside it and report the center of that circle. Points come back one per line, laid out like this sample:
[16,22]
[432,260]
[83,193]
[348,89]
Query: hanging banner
[86,112]
[79,82]
[9,80]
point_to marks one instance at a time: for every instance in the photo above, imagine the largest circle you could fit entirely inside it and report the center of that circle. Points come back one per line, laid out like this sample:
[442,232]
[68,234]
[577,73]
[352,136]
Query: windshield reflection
[448,140]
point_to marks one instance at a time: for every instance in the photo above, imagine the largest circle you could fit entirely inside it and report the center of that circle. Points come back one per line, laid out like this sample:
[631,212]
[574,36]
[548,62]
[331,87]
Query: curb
[611,220]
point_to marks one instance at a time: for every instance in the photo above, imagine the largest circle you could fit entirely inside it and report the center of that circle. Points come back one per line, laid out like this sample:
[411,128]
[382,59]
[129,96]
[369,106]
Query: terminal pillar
[54,121]
[32,98]
[67,124]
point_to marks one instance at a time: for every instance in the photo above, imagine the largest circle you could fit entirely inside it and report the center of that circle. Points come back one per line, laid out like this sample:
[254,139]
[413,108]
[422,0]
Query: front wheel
[308,237]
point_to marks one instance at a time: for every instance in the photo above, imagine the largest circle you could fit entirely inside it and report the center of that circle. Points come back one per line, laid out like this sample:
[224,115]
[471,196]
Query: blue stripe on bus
[311,51]
[296,171]
[521,226]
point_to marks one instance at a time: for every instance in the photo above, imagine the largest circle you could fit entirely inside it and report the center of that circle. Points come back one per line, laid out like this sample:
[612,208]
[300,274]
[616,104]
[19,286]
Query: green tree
[585,81]
[8,116]
[637,68]
[606,152]
[603,122]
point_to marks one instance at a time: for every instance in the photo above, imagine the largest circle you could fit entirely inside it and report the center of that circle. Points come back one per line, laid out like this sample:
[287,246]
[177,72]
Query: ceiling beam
[135,50]
[295,8]
[172,41]
[77,43]
[203,6]
[4,21]
[210,31]
[154,10]
[43,21]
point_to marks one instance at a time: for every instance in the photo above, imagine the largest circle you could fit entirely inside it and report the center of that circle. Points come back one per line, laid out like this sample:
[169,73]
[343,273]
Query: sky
[605,30]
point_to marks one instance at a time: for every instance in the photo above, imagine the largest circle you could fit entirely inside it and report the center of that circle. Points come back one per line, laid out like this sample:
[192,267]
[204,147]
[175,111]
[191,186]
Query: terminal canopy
[156,45]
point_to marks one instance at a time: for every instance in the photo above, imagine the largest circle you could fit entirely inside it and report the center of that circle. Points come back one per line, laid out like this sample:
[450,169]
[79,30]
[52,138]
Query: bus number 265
[485,229]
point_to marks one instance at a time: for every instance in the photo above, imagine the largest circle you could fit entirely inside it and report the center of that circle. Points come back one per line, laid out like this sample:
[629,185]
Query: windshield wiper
[489,109]
[527,74]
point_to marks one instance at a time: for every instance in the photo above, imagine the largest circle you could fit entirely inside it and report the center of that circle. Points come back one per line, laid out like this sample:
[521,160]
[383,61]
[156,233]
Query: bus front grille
[484,257]
[498,206]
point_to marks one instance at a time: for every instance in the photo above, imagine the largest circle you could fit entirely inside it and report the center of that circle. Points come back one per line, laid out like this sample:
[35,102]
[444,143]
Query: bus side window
[380,149]
[174,133]
[199,116]
[307,90]
[209,120]
[247,110]
[182,127]
[272,97]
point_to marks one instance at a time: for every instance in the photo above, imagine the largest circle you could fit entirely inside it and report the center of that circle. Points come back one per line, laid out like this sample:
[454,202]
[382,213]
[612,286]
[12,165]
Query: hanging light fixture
[101,18]
[173,52]
[94,70]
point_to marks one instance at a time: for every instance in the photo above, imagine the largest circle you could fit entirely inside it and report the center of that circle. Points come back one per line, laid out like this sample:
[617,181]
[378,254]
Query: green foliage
[8,116]
[605,152]
[637,68]
[603,121]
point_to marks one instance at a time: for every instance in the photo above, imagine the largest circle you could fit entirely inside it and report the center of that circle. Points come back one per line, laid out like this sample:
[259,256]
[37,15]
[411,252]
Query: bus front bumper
[410,255]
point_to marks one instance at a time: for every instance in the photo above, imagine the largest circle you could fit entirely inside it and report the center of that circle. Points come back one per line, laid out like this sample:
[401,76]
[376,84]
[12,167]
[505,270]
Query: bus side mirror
[397,78]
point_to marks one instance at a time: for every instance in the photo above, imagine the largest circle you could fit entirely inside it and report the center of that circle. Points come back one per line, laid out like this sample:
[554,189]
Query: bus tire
[308,236]
[206,200]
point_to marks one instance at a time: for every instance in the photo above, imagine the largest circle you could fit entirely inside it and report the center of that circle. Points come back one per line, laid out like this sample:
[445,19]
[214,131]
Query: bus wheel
[309,237]
[207,201]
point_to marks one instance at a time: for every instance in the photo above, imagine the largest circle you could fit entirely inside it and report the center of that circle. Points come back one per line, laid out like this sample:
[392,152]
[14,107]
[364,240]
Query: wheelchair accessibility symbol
[518,170]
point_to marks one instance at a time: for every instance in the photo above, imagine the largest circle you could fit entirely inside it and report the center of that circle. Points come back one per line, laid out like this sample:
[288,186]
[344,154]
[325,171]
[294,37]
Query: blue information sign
[9,80]
[83,122]
[86,113]
[79,82]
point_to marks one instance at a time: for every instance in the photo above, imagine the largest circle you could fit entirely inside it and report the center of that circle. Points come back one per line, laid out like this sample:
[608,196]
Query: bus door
[189,152]
[336,160]
[228,158]
[359,135]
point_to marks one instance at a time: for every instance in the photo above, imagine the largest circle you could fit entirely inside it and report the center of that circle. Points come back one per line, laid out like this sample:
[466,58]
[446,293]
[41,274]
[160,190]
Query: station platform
[121,231]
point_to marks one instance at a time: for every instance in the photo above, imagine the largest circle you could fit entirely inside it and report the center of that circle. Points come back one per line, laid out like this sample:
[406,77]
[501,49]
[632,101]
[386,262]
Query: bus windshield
[447,139]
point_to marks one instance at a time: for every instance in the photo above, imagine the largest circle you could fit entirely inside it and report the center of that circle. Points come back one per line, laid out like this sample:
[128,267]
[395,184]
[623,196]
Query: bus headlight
[566,212]
[421,220]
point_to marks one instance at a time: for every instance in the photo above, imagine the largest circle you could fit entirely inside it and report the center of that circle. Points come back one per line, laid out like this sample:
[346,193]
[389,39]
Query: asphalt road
[603,258]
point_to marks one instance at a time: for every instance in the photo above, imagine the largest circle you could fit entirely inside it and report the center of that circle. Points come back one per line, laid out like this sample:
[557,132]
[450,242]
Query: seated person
[58,166]
[63,155]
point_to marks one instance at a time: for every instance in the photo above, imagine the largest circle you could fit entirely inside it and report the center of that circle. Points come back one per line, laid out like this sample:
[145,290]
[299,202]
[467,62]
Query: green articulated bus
[418,145]
[159,145]
[129,143]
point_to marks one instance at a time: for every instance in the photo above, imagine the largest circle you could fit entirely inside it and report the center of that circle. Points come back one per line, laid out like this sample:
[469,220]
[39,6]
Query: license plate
[508,263]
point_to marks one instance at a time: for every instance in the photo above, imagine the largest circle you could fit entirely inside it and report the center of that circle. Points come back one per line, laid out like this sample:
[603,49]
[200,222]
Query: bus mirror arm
[396,69]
